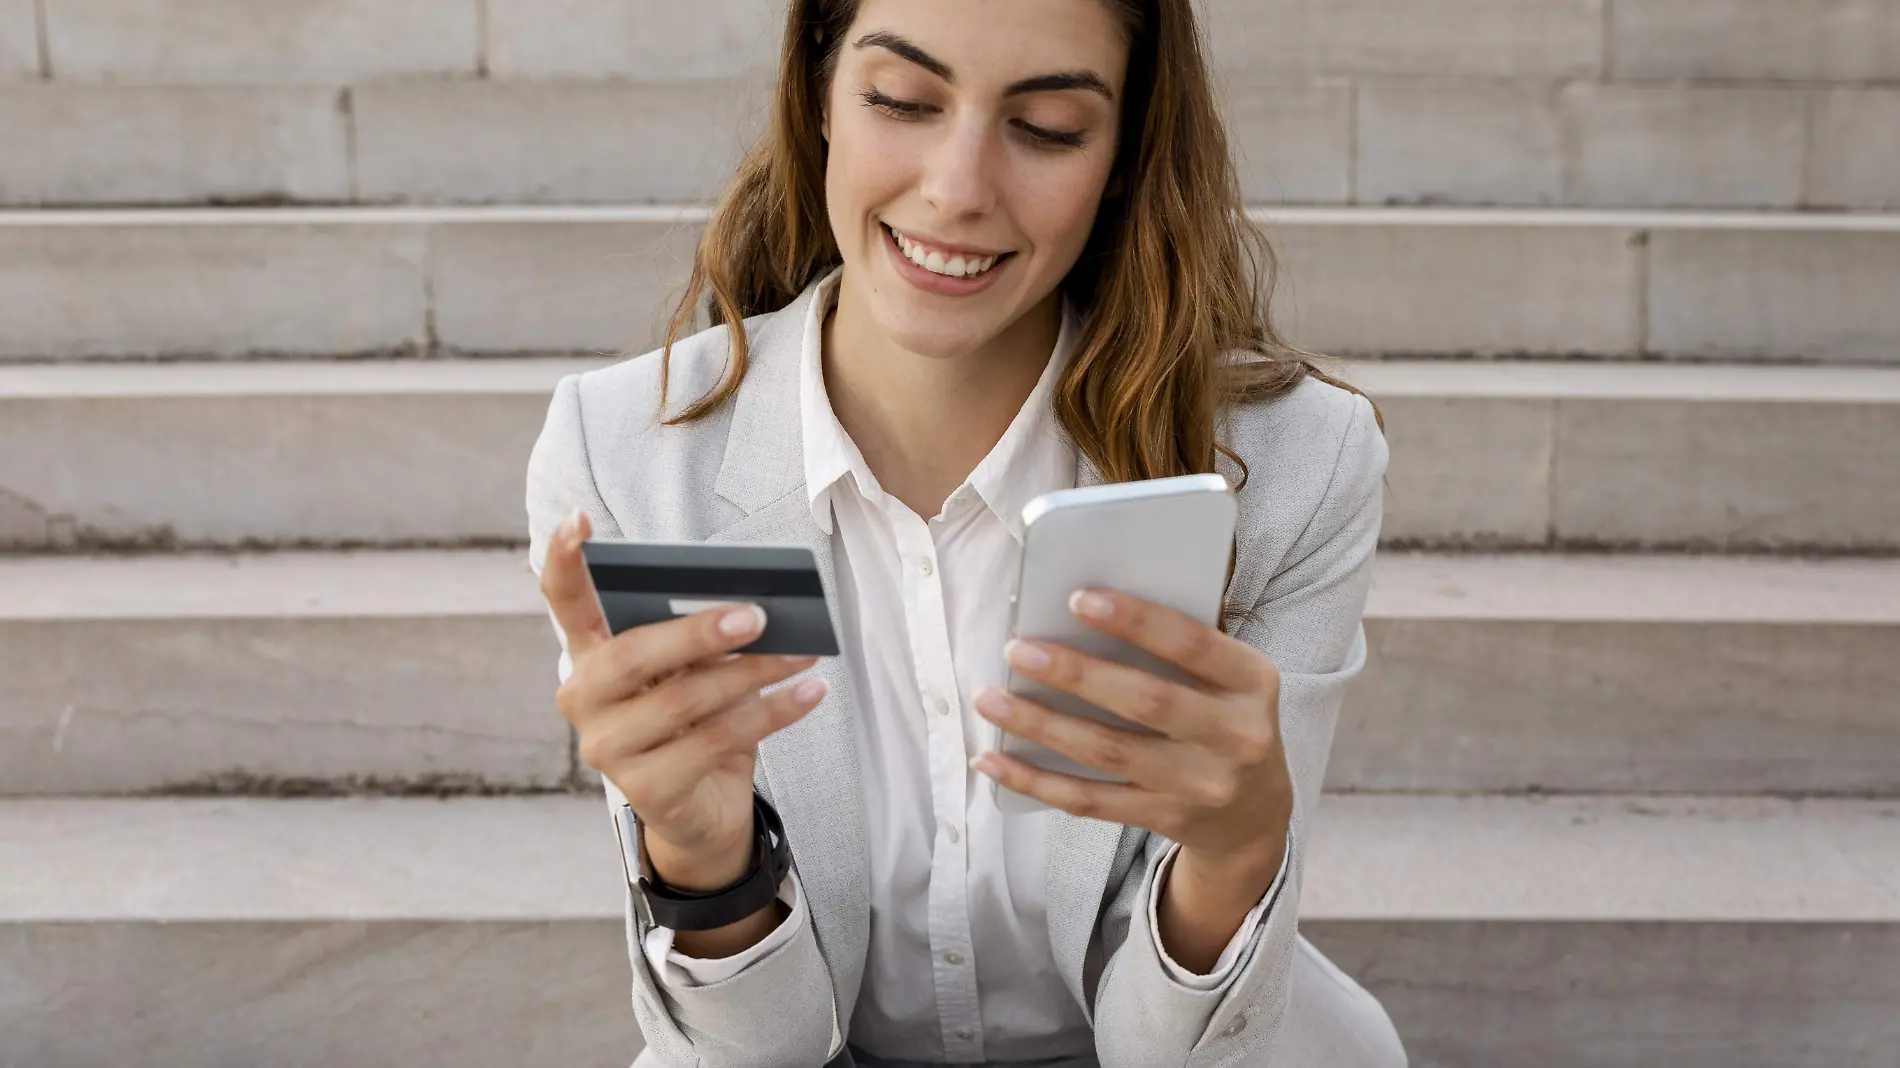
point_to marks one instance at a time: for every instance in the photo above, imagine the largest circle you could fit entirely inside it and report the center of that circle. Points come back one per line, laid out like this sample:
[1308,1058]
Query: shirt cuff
[678,970]
[1230,955]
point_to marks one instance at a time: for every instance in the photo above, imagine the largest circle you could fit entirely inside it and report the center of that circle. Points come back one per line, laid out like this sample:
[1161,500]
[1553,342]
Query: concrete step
[1323,140]
[347,41]
[1600,672]
[80,285]
[1485,454]
[277,673]
[1693,103]
[416,671]
[1609,932]
[1529,454]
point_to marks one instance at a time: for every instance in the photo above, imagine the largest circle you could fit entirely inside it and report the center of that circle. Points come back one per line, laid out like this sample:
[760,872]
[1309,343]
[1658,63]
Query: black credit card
[641,582]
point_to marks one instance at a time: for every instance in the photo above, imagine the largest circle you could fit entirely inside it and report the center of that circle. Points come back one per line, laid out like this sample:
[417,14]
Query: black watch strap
[661,905]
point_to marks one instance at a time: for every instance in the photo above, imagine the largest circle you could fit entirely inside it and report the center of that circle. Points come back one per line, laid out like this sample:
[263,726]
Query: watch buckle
[628,826]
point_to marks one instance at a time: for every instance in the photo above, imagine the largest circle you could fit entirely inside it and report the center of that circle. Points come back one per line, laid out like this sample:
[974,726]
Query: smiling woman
[986,249]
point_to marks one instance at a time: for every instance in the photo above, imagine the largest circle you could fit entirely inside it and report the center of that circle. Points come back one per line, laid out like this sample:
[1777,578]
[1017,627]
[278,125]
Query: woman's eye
[1053,138]
[901,109]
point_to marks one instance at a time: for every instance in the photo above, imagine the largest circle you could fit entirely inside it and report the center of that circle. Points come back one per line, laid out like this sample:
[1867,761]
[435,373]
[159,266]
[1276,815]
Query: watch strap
[662,905]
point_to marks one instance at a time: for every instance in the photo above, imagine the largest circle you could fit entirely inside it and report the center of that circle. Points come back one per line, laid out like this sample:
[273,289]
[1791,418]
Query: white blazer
[1309,524]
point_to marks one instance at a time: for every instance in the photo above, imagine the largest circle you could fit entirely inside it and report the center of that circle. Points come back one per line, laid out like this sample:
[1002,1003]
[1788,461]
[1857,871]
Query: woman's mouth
[949,265]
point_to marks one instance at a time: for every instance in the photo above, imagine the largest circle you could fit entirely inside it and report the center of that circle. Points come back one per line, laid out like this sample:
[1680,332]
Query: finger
[569,589]
[697,665]
[1180,712]
[1152,763]
[677,705]
[1220,660]
[635,658]
[1112,802]
[674,767]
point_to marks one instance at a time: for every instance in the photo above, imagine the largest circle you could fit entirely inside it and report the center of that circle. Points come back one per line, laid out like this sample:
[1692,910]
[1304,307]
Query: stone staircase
[284,288]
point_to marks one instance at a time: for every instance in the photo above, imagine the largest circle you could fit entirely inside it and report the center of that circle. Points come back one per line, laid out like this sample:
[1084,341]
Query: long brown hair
[1173,284]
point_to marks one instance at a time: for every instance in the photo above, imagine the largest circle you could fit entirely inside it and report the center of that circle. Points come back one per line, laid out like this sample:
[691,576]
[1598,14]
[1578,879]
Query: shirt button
[942,706]
[1239,1025]
[926,566]
[951,829]
[965,1033]
[953,957]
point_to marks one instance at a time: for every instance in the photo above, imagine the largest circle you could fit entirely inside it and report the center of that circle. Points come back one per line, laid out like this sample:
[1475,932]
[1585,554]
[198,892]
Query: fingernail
[993,704]
[810,690]
[744,621]
[569,527]
[986,764]
[1091,605]
[1026,656]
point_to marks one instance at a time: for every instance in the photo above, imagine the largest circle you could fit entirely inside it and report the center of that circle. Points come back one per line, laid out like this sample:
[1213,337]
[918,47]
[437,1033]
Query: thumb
[569,589]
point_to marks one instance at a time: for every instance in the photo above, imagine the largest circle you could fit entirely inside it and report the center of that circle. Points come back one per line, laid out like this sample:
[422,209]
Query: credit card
[641,582]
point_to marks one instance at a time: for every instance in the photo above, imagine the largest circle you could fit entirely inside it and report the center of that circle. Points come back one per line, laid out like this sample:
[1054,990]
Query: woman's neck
[923,423]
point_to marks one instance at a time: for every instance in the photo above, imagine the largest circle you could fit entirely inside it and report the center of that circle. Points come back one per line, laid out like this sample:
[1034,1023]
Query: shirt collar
[830,454]
[1032,457]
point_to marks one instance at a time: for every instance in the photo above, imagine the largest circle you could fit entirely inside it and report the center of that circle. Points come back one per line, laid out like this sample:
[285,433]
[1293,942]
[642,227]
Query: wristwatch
[660,905]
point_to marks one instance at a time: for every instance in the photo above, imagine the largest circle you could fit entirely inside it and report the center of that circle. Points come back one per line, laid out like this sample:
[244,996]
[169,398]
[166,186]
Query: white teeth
[937,263]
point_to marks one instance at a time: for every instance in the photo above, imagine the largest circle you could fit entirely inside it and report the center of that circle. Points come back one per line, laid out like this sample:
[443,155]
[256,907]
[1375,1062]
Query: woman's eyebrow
[1042,83]
[900,46]
[1068,79]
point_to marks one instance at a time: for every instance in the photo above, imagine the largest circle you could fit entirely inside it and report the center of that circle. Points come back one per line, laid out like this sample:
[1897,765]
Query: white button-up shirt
[959,966]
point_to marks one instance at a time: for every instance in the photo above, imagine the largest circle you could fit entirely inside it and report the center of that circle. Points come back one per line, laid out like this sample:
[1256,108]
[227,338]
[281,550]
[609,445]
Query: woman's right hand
[671,715]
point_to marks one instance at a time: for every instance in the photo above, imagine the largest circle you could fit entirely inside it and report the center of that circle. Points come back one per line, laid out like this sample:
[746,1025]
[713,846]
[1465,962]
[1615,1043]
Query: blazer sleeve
[1308,622]
[776,1012]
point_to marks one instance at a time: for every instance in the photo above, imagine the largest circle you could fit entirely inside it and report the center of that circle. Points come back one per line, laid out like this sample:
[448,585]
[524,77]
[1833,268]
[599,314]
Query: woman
[987,249]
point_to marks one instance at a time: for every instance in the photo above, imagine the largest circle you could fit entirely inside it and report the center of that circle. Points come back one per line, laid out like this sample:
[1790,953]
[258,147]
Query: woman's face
[970,142]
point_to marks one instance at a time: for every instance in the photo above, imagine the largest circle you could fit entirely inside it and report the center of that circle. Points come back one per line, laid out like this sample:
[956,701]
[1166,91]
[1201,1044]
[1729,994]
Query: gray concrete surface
[151,284]
[1592,673]
[1484,102]
[567,141]
[487,932]
[542,39]
[649,139]
[1521,454]
[1462,38]
[1852,164]
[1533,454]
[407,670]
[201,42]
[1292,141]
[1398,281]
[19,41]
[1673,146]
[92,144]
[163,455]
[1742,295]
[277,671]
[1828,40]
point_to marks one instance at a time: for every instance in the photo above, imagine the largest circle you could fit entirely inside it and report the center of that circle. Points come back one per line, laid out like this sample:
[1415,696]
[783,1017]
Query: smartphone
[641,582]
[1165,540]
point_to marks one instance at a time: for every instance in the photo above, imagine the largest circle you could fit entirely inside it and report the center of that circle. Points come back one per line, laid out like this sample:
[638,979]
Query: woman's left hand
[1216,779]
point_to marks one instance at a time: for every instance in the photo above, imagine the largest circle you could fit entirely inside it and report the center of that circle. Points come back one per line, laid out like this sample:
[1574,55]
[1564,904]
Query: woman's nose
[958,178]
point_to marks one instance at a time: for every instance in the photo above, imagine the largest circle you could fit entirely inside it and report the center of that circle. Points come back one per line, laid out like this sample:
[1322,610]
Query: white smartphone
[1165,540]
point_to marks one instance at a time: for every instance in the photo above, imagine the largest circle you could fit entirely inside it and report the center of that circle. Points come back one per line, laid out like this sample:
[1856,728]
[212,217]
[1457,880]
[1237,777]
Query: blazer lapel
[810,773]
[809,770]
